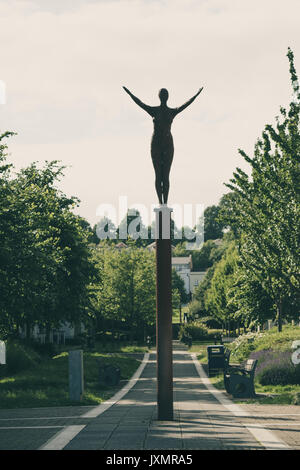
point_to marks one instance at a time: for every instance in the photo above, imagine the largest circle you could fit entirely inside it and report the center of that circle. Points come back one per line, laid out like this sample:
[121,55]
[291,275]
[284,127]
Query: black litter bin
[215,355]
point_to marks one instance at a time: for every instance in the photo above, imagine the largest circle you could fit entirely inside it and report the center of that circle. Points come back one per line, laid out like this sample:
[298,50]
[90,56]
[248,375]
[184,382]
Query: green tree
[7,221]
[208,254]
[266,211]
[179,294]
[253,305]
[132,228]
[104,230]
[126,293]
[213,226]
[217,297]
[45,254]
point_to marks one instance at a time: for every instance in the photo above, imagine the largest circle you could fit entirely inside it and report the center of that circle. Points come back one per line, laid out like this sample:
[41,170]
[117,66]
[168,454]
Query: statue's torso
[162,120]
[162,140]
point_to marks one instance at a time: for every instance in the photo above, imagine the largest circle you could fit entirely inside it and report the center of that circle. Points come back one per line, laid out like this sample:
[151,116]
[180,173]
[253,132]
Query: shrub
[211,322]
[215,335]
[275,368]
[19,357]
[242,346]
[47,349]
[197,331]
[296,398]
[277,375]
[176,330]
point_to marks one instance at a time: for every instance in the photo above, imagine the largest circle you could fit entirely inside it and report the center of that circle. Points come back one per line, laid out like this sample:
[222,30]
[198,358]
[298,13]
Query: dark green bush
[19,357]
[276,375]
[296,398]
[47,349]
[176,329]
[275,367]
[211,322]
[197,331]
[214,336]
[74,341]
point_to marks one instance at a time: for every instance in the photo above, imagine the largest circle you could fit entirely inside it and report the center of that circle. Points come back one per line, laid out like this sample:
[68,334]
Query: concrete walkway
[200,420]
[204,419]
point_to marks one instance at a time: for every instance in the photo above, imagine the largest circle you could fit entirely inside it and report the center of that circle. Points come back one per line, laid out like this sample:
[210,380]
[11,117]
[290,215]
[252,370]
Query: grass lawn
[200,349]
[176,313]
[119,346]
[47,383]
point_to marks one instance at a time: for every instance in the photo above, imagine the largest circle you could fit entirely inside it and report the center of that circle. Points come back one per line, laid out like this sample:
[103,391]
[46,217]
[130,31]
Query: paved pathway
[204,419]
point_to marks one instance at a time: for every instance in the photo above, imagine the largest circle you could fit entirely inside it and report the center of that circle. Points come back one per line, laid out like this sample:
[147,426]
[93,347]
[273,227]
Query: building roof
[152,246]
[121,245]
[181,260]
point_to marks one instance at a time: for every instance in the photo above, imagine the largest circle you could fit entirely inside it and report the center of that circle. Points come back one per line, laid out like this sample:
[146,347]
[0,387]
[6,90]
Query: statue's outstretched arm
[185,105]
[139,102]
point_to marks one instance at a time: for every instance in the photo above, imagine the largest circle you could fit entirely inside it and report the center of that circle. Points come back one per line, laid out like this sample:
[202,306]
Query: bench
[227,365]
[239,380]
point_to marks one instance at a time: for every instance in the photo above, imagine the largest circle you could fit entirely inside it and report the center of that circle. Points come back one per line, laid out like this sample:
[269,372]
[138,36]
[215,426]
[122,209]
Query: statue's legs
[165,182]
[162,156]
[167,162]
[158,179]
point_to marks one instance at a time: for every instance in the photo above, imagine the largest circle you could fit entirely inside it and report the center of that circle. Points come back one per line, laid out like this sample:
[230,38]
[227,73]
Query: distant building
[120,246]
[195,278]
[56,335]
[152,246]
[218,241]
[183,265]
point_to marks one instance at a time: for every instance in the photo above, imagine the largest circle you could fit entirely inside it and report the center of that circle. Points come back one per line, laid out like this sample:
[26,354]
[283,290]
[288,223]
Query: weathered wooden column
[164,313]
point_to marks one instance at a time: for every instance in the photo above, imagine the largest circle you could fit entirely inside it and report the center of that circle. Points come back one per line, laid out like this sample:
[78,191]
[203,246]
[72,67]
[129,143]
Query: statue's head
[163,95]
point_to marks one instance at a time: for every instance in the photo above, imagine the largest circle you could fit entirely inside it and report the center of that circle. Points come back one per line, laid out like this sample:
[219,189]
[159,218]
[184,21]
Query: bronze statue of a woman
[162,148]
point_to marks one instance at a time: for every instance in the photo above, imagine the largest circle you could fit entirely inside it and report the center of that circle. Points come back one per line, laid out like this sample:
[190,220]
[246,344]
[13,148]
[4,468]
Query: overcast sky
[64,63]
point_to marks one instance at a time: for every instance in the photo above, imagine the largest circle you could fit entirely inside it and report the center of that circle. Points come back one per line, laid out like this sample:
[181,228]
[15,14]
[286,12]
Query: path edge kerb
[98,410]
[63,437]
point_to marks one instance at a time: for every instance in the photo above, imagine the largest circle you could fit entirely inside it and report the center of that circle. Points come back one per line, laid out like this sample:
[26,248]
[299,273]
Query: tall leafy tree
[266,210]
[44,252]
[7,220]
[179,294]
[213,226]
[126,293]
[217,297]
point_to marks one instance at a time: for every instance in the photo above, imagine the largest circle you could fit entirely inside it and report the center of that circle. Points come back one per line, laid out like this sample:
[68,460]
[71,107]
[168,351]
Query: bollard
[76,387]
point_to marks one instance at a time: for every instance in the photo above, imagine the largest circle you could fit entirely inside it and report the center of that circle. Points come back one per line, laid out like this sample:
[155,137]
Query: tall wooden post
[164,314]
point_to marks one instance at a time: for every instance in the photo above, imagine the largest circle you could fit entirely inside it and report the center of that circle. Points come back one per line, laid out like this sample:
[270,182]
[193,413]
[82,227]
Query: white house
[195,278]
[57,336]
[183,266]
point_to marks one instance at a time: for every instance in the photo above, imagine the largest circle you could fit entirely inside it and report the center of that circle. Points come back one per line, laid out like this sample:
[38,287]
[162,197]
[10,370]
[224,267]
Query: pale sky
[64,63]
